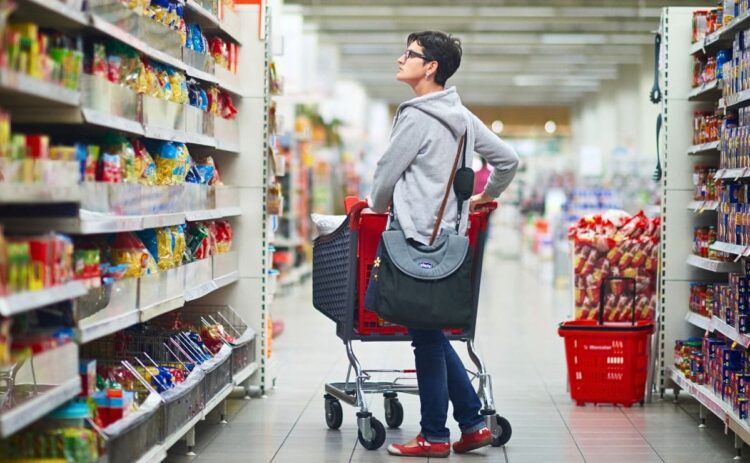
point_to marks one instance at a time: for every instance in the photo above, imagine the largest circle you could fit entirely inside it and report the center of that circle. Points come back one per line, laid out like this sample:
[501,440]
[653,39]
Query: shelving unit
[714,265]
[704,148]
[679,217]
[218,279]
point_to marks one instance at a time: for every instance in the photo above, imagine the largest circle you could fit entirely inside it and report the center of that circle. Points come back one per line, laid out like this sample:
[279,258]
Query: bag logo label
[425,265]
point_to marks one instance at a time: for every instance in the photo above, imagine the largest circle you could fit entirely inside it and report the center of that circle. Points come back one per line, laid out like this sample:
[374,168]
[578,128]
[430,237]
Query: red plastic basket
[607,362]
[371,227]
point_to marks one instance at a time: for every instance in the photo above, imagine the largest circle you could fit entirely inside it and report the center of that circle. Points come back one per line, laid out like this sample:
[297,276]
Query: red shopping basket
[607,362]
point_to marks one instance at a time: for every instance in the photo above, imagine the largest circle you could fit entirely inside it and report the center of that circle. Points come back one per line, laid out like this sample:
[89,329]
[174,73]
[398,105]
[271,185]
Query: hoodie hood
[445,106]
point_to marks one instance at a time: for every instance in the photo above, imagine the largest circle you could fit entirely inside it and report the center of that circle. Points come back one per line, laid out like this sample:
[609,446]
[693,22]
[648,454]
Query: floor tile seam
[217,434]
[641,434]
[312,397]
[559,412]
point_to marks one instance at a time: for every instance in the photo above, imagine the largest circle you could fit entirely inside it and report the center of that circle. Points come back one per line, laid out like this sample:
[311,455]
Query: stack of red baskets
[607,362]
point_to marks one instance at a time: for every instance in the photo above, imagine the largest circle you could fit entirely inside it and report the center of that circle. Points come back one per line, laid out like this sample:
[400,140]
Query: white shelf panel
[62,11]
[153,311]
[704,148]
[702,206]
[30,411]
[40,89]
[699,320]
[99,329]
[715,324]
[212,214]
[711,401]
[714,265]
[736,249]
[209,22]
[22,302]
[708,91]
[11,192]
[228,146]
[735,100]
[110,121]
[732,174]
[113,31]
[228,279]
[245,373]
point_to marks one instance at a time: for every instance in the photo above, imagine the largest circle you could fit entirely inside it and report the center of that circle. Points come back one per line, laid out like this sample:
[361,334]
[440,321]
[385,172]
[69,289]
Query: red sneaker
[473,441]
[419,447]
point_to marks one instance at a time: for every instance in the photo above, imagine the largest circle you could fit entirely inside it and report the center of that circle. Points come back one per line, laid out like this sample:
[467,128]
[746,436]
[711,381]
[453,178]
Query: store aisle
[518,340]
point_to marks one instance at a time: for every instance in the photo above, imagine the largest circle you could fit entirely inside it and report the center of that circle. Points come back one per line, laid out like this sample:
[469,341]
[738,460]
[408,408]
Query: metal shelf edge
[699,320]
[245,374]
[154,310]
[19,417]
[108,326]
[703,148]
[23,83]
[15,304]
[702,90]
[713,265]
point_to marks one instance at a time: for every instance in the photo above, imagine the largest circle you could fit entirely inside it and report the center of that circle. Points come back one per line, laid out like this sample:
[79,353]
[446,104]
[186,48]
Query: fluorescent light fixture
[550,127]
[574,39]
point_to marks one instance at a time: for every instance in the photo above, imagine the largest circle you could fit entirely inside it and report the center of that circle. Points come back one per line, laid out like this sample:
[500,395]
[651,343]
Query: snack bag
[223,236]
[197,240]
[180,245]
[128,250]
[117,144]
[145,167]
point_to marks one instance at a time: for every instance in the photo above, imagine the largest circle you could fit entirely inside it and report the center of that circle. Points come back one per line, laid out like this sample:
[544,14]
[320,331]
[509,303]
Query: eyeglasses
[413,54]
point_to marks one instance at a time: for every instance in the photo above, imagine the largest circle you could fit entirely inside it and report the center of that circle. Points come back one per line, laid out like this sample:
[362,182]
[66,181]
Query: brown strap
[436,228]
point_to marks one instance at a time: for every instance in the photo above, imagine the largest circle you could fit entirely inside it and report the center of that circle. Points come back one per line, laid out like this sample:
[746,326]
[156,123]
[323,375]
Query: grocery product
[128,250]
[621,246]
[705,184]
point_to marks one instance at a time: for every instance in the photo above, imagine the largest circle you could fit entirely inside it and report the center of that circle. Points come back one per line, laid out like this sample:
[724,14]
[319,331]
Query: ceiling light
[497,127]
[550,127]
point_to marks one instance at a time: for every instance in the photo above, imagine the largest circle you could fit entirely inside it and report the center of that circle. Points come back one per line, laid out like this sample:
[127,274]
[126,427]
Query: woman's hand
[477,200]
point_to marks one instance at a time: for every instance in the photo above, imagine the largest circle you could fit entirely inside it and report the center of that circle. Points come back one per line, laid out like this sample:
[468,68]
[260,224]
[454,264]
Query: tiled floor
[518,340]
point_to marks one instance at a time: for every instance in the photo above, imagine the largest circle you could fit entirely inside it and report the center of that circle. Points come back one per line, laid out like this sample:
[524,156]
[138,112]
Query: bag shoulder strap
[436,228]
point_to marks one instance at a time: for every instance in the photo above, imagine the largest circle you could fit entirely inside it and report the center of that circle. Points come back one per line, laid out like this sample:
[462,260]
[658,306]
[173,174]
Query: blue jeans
[441,376]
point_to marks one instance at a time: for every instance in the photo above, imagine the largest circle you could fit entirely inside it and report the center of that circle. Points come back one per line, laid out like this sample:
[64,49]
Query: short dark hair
[440,47]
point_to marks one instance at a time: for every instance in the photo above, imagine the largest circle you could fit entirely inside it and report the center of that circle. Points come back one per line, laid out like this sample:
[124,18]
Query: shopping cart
[342,262]
[608,361]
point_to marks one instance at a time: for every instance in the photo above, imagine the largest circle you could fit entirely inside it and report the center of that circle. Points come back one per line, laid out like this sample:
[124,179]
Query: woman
[412,175]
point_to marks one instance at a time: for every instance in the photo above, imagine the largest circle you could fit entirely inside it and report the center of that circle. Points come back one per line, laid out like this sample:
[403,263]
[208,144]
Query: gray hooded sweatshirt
[415,169]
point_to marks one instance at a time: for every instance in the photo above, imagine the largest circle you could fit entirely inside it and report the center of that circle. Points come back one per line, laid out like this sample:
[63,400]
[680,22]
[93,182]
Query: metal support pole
[702,414]
[360,384]
[223,408]
[190,441]
[738,447]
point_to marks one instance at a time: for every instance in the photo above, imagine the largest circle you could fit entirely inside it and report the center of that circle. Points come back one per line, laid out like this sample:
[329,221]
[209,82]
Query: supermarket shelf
[228,279]
[105,27]
[90,223]
[711,401]
[42,91]
[201,290]
[710,91]
[153,311]
[244,374]
[732,174]
[110,121]
[159,452]
[210,23]
[227,146]
[40,193]
[56,12]
[29,300]
[106,327]
[704,148]
[701,206]
[736,100]
[714,265]
[699,320]
[715,324]
[723,35]
[212,214]
[736,249]
[23,415]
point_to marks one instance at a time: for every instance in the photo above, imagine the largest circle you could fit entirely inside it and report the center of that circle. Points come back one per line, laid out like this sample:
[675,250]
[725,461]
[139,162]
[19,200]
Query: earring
[427,74]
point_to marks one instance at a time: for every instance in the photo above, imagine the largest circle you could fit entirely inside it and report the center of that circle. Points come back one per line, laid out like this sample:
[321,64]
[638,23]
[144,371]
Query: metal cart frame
[335,294]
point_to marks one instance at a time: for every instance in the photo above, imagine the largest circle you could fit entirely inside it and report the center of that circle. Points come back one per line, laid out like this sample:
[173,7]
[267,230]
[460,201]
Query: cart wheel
[377,439]
[394,413]
[501,432]
[334,414]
